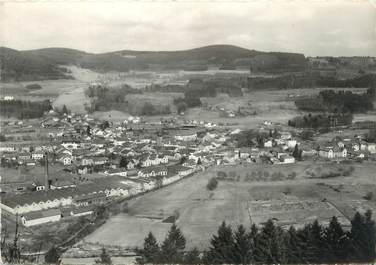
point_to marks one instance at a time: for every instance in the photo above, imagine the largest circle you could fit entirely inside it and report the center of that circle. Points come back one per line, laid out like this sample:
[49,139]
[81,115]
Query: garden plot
[296,213]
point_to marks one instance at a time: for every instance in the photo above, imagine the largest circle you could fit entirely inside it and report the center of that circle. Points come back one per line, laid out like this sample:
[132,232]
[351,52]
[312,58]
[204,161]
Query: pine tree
[64,110]
[173,246]
[316,241]
[221,246]
[371,237]
[253,236]
[335,240]
[150,253]
[88,130]
[292,246]
[296,153]
[363,238]
[242,246]
[270,244]
[104,258]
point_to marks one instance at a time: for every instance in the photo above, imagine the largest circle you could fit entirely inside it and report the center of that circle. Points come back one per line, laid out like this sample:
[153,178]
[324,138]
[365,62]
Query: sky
[315,27]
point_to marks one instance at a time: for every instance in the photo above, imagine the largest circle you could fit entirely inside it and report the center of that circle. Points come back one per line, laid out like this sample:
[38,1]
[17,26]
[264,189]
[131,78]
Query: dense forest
[309,80]
[270,244]
[24,109]
[321,120]
[203,88]
[338,102]
[103,98]
[44,64]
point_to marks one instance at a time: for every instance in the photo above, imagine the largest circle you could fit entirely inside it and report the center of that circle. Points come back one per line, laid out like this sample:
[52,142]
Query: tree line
[338,102]
[309,80]
[269,244]
[321,120]
[22,109]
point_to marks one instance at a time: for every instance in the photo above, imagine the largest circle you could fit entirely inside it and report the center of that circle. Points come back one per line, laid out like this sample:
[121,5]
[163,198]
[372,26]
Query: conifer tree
[370,246]
[335,240]
[270,243]
[150,253]
[362,237]
[221,246]
[242,246]
[291,240]
[316,242]
[253,235]
[173,246]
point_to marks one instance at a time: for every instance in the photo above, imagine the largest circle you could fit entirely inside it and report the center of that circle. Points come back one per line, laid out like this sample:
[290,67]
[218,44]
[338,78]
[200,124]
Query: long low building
[43,206]
[41,217]
[43,200]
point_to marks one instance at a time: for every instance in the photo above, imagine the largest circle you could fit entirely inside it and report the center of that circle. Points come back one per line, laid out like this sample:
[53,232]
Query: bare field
[201,211]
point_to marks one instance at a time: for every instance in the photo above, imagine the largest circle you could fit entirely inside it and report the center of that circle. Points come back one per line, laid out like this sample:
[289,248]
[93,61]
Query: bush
[52,256]
[212,184]
[369,196]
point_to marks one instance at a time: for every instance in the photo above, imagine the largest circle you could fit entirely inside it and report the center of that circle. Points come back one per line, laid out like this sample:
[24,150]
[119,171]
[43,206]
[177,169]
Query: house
[38,186]
[70,145]
[116,172]
[286,159]
[291,143]
[163,159]
[149,160]
[100,160]
[9,149]
[82,211]
[372,148]
[87,161]
[244,153]
[152,171]
[30,162]
[65,159]
[131,165]
[90,199]
[268,143]
[62,184]
[185,136]
[285,135]
[41,217]
[37,155]
[23,156]
[330,152]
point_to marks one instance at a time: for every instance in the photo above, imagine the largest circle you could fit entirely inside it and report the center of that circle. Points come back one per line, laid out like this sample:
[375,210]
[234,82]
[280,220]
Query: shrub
[212,184]
[369,196]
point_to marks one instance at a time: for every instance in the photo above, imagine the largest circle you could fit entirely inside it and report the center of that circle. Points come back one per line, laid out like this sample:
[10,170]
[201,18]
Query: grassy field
[239,202]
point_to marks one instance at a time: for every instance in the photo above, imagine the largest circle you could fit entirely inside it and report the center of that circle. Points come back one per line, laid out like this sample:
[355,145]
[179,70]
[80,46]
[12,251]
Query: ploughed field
[294,196]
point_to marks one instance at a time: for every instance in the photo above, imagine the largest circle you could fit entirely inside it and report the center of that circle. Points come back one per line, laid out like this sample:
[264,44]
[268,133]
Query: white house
[268,143]
[37,155]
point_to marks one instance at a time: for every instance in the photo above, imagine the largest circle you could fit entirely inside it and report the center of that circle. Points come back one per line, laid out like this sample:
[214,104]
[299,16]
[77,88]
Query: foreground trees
[270,244]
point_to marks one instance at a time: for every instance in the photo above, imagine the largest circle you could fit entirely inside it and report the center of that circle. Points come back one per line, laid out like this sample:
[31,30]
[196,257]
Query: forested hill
[44,63]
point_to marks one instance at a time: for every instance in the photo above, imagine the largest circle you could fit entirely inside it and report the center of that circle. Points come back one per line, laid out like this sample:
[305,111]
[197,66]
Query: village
[76,163]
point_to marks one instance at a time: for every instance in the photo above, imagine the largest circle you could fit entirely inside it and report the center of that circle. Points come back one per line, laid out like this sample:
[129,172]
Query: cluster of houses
[129,161]
[347,148]
[130,158]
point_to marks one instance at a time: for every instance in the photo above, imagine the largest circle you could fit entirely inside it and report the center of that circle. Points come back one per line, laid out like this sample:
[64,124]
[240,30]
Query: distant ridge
[44,63]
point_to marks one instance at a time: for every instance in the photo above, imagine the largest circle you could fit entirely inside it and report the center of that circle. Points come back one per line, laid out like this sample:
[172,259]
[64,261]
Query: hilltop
[45,63]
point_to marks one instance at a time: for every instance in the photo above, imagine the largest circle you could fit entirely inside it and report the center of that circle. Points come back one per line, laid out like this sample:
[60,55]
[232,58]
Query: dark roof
[41,214]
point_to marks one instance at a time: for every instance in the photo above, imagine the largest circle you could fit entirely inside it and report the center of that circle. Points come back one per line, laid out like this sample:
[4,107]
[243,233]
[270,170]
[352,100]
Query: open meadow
[290,194]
